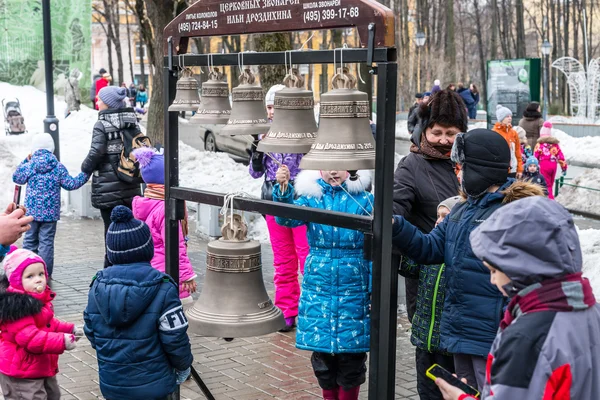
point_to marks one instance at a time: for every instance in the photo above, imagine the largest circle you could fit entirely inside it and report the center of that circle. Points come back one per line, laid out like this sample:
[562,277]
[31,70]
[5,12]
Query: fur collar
[15,306]
[307,183]
[549,140]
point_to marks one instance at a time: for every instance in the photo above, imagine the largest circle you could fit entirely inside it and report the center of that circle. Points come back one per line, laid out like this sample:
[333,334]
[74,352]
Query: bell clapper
[353,175]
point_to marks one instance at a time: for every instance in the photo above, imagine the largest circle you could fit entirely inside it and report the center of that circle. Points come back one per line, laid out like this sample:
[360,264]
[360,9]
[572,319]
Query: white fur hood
[306,183]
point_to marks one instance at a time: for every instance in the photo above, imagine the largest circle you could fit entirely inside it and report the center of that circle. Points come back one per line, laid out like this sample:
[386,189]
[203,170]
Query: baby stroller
[14,123]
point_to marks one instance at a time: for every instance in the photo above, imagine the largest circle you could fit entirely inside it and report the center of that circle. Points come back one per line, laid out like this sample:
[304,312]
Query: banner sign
[513,84]
[235,17]
[22,42]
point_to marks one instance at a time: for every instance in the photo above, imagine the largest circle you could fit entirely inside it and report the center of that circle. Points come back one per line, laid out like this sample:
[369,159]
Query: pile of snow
[590,247]
[197,169]
[580,199]
[582,150]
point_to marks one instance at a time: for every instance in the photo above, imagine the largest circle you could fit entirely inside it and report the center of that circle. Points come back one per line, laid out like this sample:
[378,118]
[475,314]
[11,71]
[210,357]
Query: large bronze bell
[214,104]
[186,97]
[248,113]
[234,302]
[344,139]
[294,128]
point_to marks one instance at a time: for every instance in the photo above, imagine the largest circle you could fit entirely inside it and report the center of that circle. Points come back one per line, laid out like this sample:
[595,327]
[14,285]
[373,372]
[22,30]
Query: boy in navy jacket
[134,318]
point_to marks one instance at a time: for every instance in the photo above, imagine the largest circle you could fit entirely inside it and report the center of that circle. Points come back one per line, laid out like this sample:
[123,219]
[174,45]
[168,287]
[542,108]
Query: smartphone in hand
[17,195]
[435,371]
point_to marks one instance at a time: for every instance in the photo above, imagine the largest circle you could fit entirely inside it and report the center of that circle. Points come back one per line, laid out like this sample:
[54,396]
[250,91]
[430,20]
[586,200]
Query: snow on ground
[198,169]
[580,199]
[590,247]
[582,150]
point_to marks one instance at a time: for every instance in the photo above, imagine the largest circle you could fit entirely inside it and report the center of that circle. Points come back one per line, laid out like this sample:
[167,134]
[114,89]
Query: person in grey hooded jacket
[548,343]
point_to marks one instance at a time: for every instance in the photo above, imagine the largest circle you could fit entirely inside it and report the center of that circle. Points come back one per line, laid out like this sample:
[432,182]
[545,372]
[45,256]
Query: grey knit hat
[502,112]
[113,96]
[449,203]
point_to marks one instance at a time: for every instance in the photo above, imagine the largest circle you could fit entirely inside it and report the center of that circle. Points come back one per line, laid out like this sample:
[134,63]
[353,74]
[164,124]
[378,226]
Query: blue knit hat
[532,161]
[128,240]
[113,96]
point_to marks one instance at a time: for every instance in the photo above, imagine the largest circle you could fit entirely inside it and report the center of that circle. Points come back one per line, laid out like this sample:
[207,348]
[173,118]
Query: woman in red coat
[31,339]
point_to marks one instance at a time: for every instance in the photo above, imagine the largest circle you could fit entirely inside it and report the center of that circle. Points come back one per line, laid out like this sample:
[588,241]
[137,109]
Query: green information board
[22,41]
[513,84]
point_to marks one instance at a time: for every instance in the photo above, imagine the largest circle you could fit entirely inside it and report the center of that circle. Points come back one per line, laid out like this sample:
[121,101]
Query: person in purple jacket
[290,245]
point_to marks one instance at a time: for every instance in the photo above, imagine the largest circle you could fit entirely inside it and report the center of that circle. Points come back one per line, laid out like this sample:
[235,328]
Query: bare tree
[126,9]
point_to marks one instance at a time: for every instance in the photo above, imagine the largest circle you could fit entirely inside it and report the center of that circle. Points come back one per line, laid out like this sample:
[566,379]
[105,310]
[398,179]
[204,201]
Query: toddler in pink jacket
[31,339]
[151,210]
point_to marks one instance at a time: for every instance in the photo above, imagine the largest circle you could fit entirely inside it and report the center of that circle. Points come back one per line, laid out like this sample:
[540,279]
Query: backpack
[128,169]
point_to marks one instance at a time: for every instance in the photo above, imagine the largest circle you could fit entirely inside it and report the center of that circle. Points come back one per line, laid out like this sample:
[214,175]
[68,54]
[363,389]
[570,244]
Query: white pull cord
[228,205]
[356,201]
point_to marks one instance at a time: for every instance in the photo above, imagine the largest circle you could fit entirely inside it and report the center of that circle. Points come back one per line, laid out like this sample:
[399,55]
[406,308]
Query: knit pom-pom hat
[546,129]
[16,262]
[532,161]
[128,240]
[152,165]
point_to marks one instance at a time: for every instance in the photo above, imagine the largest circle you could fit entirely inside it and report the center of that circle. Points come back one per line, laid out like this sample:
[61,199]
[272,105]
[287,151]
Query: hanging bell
[294,128]
[248,113]
[344,139]
[214,104]
[234,302]
[186,97]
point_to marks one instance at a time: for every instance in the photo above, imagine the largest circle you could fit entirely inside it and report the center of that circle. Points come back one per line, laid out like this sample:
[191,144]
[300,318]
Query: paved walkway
[265,367]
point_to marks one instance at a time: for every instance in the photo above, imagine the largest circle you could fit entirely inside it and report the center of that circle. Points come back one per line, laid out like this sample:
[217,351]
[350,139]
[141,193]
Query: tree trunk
[129,44]
[450,45]
[271,75]
[576,13]
[565,92]
[111,12]
[463,39]
[484,96]
[158,13]
[554,49]
[494,33]
[521,53]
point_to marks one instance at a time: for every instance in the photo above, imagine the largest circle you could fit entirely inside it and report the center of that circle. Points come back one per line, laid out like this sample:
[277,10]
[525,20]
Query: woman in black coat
[423,179]
[108,191]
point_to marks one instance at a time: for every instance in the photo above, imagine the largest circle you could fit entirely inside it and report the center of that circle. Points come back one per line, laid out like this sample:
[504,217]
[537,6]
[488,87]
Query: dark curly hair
[445,108]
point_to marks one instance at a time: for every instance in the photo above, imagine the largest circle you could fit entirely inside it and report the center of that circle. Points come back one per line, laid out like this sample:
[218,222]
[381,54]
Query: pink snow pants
[290,248]
[548,171]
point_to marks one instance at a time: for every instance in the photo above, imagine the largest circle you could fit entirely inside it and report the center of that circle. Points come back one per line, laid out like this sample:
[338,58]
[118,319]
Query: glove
[564,173]
[257,161]
[78,332]
[70,342]
[182,375]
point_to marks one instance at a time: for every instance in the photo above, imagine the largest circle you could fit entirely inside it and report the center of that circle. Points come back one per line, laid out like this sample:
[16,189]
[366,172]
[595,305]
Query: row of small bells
[234,301]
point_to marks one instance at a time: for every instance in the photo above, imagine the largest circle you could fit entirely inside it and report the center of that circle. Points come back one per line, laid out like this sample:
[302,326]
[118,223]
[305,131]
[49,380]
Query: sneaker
[290,324]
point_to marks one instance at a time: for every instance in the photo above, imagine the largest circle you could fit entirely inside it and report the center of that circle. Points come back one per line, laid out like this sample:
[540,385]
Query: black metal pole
[546,89]
[51,122]
[382,365]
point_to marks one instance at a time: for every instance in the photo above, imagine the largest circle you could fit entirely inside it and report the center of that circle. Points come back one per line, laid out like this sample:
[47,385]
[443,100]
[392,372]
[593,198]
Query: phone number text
[330,13]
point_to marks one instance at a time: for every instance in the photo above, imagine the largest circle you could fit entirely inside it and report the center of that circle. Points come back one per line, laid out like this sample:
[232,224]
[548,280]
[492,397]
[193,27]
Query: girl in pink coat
[31,339]
[151,210]
[548,152]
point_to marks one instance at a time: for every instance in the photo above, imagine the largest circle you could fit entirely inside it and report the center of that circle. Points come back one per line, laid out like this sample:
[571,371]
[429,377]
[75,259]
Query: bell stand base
[196,377]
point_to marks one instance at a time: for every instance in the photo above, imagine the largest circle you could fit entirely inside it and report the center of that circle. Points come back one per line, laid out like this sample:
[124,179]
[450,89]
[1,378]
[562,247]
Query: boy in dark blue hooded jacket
[134,318]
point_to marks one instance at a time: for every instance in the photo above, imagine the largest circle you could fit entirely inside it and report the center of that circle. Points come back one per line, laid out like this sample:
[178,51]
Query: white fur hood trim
[306,183]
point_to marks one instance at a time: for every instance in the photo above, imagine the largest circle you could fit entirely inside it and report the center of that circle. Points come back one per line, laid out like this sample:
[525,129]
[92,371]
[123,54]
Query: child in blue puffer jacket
[44,176]
[333,317]
[134,318]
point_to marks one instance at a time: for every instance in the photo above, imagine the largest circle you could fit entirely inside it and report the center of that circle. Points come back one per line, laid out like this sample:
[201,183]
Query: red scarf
[568,293]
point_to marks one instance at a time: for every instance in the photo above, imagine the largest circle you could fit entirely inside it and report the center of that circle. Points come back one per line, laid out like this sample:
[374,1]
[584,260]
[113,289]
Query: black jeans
[345,370]
[105,213]
[427,388]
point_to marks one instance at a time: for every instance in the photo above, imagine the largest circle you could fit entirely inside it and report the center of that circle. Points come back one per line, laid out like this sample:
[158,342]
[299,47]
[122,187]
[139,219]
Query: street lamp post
[51,122]
[419,41]
[546,48]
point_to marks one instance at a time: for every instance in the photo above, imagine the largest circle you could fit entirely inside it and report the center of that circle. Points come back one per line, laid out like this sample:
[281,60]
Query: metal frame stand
[378,230]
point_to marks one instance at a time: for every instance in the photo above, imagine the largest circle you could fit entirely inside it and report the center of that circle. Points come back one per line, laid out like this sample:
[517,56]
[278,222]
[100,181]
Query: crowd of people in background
[137,97]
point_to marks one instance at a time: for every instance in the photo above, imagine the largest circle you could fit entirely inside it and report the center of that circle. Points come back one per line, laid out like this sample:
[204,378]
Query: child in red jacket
[30,337]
